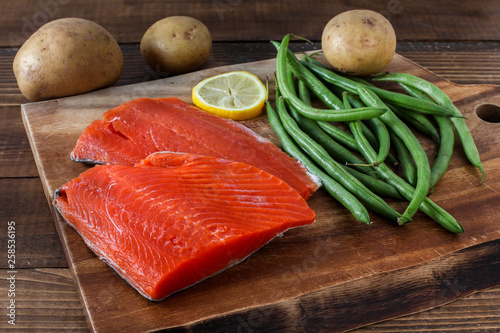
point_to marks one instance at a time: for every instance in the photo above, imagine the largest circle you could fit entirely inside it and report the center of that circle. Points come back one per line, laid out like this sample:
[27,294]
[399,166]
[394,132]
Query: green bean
[375,184]
[313,83]
[338,134]
[337,191]
[444,100]
[310,58]
[411,142]
[334,149]
[406,165]
[368,133]
[378,127]
[357,79]
[445,152]
[395,98]
[333,168]
[385,143]
[427,206]
[361,141]
[411,103]
[382,143]
[304,93]
[418,121]
[447,138]
[417,93]
[334,132]
[313,129]
[347,139]
[307,110]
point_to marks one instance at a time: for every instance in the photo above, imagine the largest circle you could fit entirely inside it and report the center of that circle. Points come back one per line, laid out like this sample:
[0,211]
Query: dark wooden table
[457,40]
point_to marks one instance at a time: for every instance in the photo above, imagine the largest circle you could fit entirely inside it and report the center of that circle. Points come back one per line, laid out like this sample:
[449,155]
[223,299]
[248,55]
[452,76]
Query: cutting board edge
[258,317]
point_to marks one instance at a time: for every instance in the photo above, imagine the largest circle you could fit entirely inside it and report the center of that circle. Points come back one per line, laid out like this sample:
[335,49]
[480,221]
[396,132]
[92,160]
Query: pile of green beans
[371,152]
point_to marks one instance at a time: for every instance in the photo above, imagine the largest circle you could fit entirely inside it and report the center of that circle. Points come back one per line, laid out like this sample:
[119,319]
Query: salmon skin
[130,132]
[175,219]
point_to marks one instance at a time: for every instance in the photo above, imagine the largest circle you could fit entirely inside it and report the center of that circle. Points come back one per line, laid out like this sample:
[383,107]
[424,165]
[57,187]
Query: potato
[176,45]
[358,42]
[66,57]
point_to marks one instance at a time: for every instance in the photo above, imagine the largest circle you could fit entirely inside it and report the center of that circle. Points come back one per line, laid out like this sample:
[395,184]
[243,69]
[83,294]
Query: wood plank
[258,20]
[476,313]
[333,258]
[463,63]
[37,245]
[48,302]
[45,301]
[16,157]
[8,86]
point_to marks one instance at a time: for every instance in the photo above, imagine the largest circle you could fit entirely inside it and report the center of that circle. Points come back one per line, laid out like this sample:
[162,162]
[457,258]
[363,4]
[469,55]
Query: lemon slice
[237,95]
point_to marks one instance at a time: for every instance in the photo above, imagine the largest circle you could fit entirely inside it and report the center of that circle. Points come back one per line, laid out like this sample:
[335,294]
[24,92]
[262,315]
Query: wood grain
[16,158]
[258,20]
[43,297]
[37,242]
[311,275]
[50,304]
[463,63]
[478,312]
[430,33]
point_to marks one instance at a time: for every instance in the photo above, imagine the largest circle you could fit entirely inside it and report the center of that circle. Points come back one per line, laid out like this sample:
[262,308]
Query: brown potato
[358,42]
[176,45]
[66,57]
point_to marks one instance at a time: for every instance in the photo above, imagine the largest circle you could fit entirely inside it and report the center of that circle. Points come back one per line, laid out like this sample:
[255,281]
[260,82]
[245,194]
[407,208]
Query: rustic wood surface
[334,264]
[458,41]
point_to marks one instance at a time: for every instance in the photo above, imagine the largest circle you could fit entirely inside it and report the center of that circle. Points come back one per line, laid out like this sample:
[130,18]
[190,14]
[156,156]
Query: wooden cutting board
[333,275]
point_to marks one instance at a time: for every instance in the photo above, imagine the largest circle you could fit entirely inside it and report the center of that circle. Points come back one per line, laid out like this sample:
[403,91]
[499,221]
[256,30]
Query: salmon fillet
[130,132]
[175,219]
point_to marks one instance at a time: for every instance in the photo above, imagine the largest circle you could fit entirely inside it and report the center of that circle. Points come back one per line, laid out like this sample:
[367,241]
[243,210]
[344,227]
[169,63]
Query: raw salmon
[135,129]
[175,219]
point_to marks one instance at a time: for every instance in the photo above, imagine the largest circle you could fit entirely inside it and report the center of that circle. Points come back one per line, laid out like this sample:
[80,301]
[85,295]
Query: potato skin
[66,57]
[176,45]
[358,42]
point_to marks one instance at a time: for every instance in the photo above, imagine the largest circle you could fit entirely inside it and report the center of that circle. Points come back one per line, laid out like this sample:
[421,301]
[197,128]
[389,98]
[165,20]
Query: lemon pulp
[237,95]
